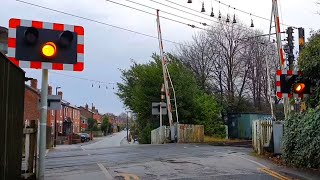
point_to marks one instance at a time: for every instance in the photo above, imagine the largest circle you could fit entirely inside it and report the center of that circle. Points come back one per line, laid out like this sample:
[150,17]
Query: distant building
[70,118]
[86,114]
[97,116]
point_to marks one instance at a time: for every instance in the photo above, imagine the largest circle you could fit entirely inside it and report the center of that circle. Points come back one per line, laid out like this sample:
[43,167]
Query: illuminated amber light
[299,87]
[49,49]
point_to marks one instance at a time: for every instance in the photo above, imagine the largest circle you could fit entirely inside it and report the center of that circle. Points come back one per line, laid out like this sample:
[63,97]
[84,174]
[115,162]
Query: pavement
[115,158]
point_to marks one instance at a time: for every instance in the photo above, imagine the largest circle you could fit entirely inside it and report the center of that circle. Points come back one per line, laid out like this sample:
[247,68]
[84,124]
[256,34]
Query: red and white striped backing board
[278,85]
[15,23]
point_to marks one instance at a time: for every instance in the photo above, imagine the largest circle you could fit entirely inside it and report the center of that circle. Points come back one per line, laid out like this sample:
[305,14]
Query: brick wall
[32,97]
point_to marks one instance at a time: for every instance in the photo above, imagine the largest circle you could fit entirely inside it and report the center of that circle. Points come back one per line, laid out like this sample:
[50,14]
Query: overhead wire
[193,26]
[98,22]
[218,19]
[239,10]
[245,12]
[181,10]
[80,78]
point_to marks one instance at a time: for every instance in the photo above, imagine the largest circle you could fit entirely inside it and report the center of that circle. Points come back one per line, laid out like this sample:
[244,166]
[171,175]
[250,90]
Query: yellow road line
[274,174]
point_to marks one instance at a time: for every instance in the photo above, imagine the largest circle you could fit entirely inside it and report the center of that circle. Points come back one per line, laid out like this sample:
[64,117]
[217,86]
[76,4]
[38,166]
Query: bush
[301,141]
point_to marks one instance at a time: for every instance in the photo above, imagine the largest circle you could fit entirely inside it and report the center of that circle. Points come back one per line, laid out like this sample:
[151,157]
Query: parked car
[87,136]
[84,137]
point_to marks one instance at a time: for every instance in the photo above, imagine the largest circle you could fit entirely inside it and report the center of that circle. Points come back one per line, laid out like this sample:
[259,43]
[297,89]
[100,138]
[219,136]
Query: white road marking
[255,162]
[105,172]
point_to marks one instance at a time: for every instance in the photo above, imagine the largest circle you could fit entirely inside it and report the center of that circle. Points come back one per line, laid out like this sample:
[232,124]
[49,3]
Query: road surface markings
[255,162]
[129,176]
[274,174]
[105,172]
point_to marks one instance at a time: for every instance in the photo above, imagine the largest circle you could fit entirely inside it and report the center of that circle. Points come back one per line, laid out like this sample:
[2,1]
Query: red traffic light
[299,88]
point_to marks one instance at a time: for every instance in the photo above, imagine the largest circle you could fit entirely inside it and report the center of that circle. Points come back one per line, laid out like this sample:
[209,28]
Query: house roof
[32,89]
[89,110]
[66,103]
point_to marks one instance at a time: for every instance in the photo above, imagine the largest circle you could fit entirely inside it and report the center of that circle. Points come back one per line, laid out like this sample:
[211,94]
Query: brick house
[31,108]
[85,113]
[70,120]
[31,100]
[97,116]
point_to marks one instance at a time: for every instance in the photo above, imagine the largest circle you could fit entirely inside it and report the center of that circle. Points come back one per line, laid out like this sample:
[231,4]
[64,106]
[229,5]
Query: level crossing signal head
[42,45]
[294,84]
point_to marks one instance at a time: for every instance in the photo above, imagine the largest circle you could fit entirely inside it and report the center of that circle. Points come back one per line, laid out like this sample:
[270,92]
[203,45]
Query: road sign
[54,102]
[43,45]
[156,108]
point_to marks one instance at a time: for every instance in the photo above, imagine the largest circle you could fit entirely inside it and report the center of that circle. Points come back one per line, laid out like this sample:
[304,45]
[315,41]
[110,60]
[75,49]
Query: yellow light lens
[300,87]
[49,49]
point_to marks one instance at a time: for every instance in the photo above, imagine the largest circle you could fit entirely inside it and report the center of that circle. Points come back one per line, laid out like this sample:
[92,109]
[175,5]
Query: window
[52,113]
[60,112]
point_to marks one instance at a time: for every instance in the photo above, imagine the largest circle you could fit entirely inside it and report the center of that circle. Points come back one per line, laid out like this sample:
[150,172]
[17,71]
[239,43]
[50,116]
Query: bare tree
[199,57]
[228,60]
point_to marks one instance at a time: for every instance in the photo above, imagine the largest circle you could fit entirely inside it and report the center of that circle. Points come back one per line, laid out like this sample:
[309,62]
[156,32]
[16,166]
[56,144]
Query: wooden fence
[12,83]
[189,133]
[261,134]
[29,162]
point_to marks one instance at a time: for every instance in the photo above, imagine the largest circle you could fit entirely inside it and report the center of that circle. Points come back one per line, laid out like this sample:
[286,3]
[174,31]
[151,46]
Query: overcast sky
[108,49]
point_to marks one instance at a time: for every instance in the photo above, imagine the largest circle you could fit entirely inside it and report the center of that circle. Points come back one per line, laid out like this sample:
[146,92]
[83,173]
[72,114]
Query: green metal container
[240,124]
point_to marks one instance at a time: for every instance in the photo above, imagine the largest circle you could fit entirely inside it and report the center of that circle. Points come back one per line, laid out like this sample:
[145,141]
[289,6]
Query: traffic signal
[46,45]
[301,85]
[43,45]
[294,84]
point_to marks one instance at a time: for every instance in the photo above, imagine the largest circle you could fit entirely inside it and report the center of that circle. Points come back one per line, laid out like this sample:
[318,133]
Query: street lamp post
[55,122]
[127,127]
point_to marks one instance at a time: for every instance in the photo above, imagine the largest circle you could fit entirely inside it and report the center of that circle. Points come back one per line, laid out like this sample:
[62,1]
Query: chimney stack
[34,84]
[87,106]
[49,90]
[60,94]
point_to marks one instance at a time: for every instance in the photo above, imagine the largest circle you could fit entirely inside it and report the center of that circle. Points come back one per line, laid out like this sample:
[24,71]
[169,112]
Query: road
[101,161]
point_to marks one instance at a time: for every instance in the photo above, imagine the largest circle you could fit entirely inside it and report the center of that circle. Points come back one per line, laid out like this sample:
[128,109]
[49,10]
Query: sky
[109,49]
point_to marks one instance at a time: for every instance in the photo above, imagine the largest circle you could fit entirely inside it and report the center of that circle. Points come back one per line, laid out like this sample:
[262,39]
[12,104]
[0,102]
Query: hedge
[301,141]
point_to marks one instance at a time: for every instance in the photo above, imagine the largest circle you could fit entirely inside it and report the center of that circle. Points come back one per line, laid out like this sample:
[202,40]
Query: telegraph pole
[55,122]
[127,126]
